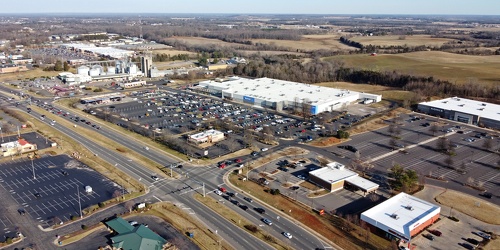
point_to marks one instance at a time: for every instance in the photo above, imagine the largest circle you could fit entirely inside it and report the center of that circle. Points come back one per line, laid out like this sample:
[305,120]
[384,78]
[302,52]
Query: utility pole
[79,202]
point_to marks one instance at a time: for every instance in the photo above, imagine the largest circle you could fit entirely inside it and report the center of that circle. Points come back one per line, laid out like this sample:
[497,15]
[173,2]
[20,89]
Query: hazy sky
[468,7]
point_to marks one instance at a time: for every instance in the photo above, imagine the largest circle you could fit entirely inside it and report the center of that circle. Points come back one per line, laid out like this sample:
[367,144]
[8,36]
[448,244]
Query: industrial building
[12,68]
[464,110]
[335,177]
[281,95]
[146,65]
[209,136]
[92,50]
[402,216]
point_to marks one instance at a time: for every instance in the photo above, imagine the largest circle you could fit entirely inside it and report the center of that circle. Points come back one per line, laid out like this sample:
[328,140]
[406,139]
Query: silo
[83,70]
[94,72]
[132,69]
[98,68]
[111,70]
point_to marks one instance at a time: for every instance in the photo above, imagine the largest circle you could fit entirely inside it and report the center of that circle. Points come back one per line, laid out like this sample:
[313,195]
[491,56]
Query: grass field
[203,41]
[386,92]
[416,40]
[441,65]
[172,52]
[309,43]
[26,75]
[467,204]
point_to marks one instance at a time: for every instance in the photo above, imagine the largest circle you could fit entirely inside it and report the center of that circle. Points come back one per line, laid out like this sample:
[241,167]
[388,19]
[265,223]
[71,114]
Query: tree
[341,134]
[488,144]
[58,66]
[129,205]
[449,161]
[442,144]
[66,66]
[434,129]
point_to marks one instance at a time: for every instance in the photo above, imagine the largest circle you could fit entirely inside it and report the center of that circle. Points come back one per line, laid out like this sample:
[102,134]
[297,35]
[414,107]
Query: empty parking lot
[46,189]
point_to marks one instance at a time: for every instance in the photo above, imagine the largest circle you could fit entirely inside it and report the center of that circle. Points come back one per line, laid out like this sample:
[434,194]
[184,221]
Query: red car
[435,232]
[222,165]
[237,160]
[222,189]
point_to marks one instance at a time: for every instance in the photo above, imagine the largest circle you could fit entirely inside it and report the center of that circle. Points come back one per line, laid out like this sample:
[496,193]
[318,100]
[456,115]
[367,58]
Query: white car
[288,235]
[264,149]
[218,192]
[154,177]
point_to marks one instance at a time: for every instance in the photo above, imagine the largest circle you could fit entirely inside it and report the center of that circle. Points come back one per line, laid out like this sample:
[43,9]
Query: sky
[409,7]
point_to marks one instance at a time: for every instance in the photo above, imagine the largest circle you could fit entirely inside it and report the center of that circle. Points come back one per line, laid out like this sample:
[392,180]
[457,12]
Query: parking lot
[46,188]
[470,162]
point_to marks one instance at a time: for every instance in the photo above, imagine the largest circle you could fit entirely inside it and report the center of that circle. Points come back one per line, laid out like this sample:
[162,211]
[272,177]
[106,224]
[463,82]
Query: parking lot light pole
[79,202]
[33,168]
[203,189]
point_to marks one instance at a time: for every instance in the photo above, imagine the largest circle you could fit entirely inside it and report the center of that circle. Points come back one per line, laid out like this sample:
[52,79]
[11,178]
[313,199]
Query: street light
[33,167]
[79,202]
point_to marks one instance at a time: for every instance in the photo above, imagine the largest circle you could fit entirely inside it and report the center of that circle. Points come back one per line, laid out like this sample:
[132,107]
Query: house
[136,237]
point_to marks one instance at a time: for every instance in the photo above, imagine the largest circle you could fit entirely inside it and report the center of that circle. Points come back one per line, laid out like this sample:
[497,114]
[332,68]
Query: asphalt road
[234,235]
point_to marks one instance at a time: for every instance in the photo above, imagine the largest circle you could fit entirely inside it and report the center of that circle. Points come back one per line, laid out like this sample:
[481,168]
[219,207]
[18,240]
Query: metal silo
[83,70]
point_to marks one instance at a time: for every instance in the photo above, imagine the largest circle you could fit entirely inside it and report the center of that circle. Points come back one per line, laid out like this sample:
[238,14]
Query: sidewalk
[430,192]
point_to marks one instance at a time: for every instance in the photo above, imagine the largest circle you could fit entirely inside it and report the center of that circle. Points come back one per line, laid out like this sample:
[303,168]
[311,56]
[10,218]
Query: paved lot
[478,163]
[53,194]
[32,137]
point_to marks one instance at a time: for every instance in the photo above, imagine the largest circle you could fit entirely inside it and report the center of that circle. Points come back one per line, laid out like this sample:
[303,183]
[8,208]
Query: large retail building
[280,95]
[464,110]
[401,216]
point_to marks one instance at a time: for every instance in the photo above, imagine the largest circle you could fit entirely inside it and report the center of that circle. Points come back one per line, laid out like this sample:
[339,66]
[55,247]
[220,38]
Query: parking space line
[40,209]
[46,207]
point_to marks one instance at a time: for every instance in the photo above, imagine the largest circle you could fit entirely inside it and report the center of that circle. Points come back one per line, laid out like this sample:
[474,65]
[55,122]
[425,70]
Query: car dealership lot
[51,194]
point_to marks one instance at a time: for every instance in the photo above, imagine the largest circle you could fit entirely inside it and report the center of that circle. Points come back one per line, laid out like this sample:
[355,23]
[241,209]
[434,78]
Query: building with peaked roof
[401,216]
[464,110]
[134,237]
[335,177]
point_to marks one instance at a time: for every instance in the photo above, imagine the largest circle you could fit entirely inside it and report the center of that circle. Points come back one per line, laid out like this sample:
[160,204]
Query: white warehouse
[279,94]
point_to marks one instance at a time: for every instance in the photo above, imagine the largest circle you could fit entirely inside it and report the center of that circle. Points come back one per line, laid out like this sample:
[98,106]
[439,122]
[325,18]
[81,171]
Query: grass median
[241,222]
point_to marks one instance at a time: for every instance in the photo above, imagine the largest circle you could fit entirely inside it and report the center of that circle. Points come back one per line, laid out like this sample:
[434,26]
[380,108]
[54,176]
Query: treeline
[168,57]
[318,70]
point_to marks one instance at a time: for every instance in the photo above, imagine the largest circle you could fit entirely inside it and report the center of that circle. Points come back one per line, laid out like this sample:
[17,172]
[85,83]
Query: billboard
[314,110]
[248,99]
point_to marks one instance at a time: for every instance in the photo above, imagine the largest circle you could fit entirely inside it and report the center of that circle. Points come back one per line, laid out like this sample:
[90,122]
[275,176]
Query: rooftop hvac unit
[282,94]
[253,89]
[483,104]
[310,92]
[481,109]
[409,208]
[461,105]
[445,101]
[394,216]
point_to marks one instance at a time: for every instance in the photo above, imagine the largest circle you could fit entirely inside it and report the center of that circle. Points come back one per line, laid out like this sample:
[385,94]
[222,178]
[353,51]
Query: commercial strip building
[92,50]
[136,237]
[98,99]
[209,136]
[280,95]
[402,216]
[464,110]
[335,177]
[20,146]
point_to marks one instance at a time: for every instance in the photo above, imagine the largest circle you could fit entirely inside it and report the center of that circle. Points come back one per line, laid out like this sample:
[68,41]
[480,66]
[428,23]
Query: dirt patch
[376,122]
[308,185]
[472,206]
[325,142]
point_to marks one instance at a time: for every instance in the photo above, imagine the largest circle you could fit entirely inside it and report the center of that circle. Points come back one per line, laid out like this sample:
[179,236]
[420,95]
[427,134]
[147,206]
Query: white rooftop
[106,51]
[333,172]
[409,210]
[205,134]
[278,90]
[362,183]
[482,109]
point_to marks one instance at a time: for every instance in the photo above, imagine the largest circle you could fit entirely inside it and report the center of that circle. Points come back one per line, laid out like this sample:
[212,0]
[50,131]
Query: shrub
[252,228]
[73,217]
[275,191]
[341,134]
[8,240]
[101,204]
[84,227]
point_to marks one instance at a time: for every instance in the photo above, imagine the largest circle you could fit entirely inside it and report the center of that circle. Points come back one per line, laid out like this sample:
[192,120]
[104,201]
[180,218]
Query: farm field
[205,41]
[309,43]
[416,40]
[441,65]
[172,52]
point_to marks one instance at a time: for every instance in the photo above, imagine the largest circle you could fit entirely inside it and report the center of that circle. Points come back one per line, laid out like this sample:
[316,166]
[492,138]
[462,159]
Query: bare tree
[470,180]
[117,194]
[434,129]
[129,205]
[449,161]
[488,144]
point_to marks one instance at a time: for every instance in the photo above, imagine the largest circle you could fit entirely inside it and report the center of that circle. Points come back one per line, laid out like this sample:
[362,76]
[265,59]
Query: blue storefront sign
[314,109]
[248,99]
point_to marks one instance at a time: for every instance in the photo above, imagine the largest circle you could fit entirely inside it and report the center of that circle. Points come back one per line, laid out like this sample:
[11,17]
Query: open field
[26,75]
[204,41]
[172,52]
[416,40]
[441,65]
[467,204]
[309,43]
[270,53]
[386,92]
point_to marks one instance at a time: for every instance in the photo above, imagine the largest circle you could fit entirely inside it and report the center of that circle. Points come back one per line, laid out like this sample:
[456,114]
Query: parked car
[472,241]
[264,149]
[294,187]
[222,189]
[435,232]
[21,211]
[429,236]
[483,235]
[218,192]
